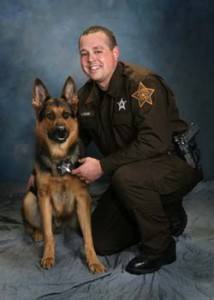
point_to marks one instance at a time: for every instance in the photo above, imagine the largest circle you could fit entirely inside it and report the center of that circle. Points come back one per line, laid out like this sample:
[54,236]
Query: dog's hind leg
[31,216]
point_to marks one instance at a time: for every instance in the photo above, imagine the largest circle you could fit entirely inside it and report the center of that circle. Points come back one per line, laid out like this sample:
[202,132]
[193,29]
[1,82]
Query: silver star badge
[121,104]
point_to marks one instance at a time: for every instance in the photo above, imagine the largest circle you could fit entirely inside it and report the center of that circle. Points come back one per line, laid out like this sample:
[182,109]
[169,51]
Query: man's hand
[90,169]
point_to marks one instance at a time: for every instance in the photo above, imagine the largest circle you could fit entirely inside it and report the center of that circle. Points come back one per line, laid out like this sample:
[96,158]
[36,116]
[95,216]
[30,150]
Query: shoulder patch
[143,95]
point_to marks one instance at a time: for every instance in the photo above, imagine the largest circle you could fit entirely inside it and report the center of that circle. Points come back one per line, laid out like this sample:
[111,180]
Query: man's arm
[153,129]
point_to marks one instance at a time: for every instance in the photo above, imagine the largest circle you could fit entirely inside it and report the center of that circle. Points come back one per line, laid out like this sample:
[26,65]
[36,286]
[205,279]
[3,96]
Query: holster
[186,146]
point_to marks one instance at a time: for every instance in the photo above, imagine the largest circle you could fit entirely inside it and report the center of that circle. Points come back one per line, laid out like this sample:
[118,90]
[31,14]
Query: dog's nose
[58,134]
[61,131]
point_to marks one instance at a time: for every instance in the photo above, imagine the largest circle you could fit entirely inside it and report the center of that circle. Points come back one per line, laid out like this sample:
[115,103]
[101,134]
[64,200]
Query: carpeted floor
[22,278]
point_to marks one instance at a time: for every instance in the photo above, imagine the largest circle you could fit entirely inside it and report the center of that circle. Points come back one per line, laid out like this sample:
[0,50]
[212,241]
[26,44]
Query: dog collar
[65,167]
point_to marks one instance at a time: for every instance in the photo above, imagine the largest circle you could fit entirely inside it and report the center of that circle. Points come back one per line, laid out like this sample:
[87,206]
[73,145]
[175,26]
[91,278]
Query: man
[131,115]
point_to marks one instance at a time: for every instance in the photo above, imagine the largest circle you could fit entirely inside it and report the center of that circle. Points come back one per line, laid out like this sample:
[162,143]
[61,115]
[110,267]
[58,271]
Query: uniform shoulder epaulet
[135,72]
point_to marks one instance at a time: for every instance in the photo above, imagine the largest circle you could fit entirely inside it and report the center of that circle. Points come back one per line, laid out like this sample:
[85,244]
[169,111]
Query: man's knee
[121,179]
[137,175]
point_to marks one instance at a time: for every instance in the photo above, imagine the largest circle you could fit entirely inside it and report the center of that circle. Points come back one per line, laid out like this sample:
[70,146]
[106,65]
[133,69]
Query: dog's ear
[69,91]
[40,94]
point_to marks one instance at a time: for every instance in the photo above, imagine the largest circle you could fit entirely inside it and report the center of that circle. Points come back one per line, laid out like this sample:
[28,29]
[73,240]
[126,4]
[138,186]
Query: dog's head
[56,117]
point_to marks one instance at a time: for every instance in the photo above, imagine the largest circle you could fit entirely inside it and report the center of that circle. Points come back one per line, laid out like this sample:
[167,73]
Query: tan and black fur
[58,193]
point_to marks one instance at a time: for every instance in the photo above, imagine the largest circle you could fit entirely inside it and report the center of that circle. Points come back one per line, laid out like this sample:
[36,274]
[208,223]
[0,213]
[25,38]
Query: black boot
[148,263]
[177,218]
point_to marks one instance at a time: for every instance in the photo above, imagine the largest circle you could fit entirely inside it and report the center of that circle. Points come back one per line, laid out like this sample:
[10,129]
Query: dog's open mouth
[58,134]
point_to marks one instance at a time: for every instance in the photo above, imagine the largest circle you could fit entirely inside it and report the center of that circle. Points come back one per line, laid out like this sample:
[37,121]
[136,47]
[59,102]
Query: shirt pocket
[123,128]
[88,121]
[122,119]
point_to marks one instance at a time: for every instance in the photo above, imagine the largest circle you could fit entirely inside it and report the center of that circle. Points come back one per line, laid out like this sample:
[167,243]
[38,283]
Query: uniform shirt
[134,120]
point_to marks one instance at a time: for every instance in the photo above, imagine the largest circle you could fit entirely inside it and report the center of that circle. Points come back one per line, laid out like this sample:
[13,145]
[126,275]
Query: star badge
[143,95]
[121,104]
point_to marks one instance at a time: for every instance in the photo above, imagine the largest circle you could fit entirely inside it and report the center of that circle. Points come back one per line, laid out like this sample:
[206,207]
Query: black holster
[186,146]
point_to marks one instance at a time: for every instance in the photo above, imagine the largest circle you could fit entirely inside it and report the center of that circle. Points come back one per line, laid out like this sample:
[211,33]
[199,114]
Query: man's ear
[40,94]
[116,53]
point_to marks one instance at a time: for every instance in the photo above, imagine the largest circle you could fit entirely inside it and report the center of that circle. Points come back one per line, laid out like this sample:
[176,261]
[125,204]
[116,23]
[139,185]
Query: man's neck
[104,85]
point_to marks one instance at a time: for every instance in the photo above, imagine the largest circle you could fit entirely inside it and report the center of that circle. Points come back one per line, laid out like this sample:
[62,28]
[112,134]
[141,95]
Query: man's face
[98,61]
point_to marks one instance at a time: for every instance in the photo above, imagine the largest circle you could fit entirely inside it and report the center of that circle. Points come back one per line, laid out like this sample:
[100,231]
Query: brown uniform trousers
[135,207]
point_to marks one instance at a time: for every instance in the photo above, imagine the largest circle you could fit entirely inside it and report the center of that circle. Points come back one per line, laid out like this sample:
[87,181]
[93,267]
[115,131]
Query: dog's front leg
[84,217]
[48,258]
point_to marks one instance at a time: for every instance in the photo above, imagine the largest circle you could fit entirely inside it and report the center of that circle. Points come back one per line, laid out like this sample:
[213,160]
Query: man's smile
[94,68]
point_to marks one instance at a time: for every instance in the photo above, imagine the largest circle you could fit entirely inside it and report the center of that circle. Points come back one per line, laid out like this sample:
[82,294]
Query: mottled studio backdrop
[39,39]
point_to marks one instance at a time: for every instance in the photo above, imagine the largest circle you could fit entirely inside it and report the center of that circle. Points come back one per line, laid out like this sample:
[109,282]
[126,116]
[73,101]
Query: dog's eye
[50,116]
[66,115]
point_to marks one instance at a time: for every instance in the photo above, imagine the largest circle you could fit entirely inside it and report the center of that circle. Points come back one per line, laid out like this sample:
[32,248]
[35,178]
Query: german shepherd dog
[58,194]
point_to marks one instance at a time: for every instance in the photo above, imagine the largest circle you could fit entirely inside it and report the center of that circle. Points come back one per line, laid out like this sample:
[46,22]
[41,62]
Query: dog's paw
[37,236]
[47,262]
[97,268]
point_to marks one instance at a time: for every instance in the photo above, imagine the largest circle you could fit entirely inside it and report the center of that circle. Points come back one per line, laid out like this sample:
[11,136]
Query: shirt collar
[116,81]
[94,93]
[114,85]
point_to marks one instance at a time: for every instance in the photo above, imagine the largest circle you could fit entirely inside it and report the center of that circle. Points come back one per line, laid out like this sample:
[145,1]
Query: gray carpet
[22,278]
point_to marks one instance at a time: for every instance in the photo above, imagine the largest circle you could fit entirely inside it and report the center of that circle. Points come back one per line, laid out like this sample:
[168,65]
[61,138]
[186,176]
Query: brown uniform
[132,123]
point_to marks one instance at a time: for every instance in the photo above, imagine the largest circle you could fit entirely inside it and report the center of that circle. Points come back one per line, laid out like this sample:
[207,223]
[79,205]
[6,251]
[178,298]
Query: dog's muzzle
[58,134]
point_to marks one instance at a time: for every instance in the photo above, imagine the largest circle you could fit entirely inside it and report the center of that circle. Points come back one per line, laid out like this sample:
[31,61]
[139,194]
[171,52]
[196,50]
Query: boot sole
[146,271]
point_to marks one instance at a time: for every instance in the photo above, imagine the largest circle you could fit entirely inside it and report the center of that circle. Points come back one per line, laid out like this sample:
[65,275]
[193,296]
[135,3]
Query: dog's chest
[63,200]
